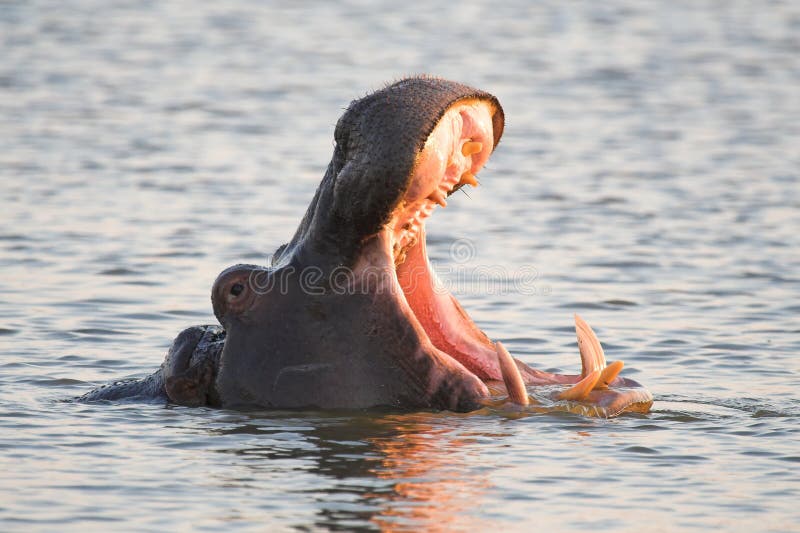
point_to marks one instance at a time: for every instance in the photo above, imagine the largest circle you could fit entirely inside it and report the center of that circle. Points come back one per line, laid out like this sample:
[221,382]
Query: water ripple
[648,172]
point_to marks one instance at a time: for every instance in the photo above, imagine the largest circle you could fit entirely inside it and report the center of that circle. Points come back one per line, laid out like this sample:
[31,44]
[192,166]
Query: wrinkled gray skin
[186,376]
[286,346]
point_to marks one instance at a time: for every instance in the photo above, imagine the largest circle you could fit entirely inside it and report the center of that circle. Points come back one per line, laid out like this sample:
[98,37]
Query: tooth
[581,389]
[471,147]
[592,357]
[437,196]
[468,179]
[593,360]
[511,376]
[608,374]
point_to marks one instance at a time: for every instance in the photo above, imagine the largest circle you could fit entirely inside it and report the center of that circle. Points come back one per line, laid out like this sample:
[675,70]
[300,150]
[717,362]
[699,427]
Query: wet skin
[350,314]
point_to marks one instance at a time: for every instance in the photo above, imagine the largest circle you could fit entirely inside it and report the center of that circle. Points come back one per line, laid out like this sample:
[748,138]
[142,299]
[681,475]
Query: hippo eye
[237,289]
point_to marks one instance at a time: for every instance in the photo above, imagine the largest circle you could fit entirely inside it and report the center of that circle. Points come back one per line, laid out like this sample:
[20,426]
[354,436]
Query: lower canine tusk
[608,374]
[581,389]
[592,357]
[511,376]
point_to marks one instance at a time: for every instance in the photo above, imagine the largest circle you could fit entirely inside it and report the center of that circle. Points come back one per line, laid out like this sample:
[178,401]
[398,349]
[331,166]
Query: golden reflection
[433,488]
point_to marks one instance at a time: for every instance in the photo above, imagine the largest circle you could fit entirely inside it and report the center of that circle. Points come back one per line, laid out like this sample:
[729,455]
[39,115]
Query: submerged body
[350,314]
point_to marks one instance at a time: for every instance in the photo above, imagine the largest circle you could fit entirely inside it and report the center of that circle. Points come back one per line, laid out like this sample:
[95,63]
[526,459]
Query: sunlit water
[648,176]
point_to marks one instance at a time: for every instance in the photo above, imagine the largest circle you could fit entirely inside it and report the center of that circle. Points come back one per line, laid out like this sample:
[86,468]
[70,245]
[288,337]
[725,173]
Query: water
[648,176]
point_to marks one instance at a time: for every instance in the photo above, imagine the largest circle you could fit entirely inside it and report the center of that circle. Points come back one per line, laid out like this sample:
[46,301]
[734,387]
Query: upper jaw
[452,155]
[455,151]
[379,145]
[371,208]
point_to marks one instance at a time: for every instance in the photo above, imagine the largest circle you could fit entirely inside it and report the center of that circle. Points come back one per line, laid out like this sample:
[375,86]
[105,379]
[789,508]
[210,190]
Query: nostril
[237,289]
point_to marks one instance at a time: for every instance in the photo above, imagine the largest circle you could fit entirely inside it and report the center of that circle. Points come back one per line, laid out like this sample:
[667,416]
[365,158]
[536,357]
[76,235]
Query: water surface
[647,179]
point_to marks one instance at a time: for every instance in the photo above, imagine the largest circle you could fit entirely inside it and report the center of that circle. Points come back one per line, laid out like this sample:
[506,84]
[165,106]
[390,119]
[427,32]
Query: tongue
[448,326]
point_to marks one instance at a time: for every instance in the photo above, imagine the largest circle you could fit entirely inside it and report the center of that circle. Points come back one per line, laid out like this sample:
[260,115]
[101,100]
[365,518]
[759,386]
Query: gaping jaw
[452,156]
[396,336]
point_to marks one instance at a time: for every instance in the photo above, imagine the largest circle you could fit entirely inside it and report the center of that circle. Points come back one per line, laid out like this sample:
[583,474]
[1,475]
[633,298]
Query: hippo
[349,314]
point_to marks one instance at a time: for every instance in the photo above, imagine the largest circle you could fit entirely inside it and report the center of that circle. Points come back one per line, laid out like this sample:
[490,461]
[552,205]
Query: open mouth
[380,329]
[451,158]
[453,155]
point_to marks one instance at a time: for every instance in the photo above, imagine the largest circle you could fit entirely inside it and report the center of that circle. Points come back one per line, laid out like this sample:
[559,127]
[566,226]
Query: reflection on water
[647,179]
[430,490]
[403,470]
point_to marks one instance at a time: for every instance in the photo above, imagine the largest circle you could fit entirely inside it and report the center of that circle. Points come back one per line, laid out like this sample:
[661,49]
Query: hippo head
[350,313]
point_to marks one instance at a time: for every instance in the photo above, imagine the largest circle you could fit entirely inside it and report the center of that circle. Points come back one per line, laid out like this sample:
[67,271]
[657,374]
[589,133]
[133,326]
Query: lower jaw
[442,320]
[447,325]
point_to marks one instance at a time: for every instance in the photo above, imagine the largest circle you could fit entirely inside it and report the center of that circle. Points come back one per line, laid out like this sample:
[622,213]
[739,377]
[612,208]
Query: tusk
[581,389]
[511,376]
[608,374]
[592,357]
